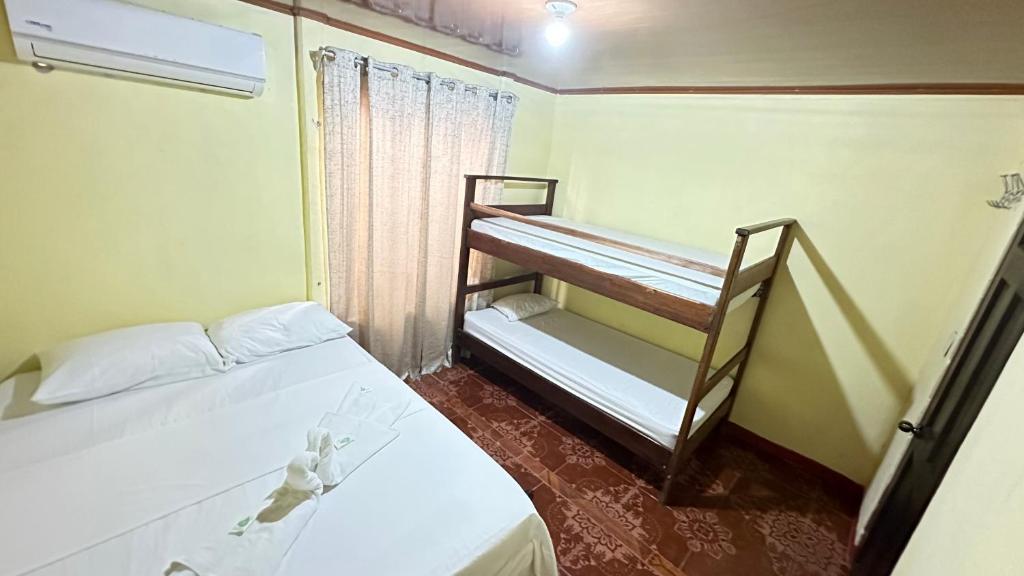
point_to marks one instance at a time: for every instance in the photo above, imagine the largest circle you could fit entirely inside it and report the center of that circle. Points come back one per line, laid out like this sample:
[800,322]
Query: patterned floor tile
[583,547]
[738,512]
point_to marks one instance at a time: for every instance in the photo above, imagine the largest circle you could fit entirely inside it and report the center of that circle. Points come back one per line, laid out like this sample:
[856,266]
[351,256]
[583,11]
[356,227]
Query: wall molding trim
[890,89]
[274,5]
[932,88]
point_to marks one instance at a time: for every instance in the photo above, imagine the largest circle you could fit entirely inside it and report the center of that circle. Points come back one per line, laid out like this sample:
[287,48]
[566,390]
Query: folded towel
[255,545]
[364,402]
[344,443]
[341,443]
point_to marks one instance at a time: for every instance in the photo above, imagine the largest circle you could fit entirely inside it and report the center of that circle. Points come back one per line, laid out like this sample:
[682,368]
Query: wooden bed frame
[700,316]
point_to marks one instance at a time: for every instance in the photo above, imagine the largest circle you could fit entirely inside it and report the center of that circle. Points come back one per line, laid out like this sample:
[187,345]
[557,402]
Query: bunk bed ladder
[735,282]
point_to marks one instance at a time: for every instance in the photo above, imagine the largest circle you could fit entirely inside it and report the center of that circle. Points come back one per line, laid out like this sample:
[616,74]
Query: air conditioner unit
[120,39]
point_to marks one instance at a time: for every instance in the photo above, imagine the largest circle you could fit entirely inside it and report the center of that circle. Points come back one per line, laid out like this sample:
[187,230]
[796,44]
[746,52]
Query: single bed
[82,494]
[639,384]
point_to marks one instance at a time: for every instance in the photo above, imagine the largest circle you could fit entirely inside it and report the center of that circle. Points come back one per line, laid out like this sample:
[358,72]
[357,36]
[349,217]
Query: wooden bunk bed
[703,309]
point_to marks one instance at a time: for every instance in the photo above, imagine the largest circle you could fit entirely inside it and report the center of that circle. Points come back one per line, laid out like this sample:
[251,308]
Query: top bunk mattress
[639,384]
[674,279]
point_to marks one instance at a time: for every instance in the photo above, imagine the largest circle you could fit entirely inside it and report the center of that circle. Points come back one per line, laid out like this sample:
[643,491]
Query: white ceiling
[729,42]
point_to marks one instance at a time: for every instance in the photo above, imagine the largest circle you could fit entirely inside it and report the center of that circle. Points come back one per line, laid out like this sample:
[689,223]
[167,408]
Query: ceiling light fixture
[557,32]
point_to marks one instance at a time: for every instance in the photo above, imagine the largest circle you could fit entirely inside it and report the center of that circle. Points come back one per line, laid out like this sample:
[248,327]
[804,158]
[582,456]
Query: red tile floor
[740,512]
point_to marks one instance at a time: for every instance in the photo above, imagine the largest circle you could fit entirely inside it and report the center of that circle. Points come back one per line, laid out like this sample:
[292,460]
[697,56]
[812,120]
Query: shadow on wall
[30,364]
[898,381]
[789,368]
[792,365]
[793,394]
[19,397]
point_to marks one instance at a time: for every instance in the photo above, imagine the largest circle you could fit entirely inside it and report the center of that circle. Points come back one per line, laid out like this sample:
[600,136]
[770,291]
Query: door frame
[893,523]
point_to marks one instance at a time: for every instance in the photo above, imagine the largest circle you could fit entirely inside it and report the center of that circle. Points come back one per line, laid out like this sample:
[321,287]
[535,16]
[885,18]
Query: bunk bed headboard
[522,209]
[462,288]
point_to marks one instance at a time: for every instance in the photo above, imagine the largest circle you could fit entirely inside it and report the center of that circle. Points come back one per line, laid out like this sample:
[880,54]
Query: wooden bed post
[549,199]
[549,203]
[683,446]
[755,324]
[470,212]
[463,277]
[701,382]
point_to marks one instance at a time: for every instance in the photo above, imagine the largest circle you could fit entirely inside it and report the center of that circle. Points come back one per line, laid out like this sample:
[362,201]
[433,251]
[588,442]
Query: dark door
[990,339]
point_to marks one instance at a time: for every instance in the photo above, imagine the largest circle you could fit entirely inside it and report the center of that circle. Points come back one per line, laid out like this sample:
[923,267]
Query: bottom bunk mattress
[639,384]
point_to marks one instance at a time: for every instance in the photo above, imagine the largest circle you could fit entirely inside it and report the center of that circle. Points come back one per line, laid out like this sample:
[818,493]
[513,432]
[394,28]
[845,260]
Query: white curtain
[396,145]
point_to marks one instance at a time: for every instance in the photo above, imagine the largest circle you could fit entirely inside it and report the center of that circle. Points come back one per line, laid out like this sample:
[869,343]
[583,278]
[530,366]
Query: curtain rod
[318,56]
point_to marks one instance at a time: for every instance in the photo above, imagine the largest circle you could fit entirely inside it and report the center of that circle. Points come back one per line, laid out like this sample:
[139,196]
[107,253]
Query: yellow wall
[889,192]
[531,131]
[126,202]
[123,202]
[973,524]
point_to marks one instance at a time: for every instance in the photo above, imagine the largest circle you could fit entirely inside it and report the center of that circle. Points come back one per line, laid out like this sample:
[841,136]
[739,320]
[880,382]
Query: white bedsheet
[637,383]
[432,503]
[665,276]
[72,428]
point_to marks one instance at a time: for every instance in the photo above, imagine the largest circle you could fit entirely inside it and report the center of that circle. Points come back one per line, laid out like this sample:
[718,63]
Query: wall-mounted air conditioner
[116,38]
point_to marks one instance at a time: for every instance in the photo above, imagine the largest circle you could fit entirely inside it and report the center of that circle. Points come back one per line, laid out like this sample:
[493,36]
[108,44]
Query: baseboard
[849,492]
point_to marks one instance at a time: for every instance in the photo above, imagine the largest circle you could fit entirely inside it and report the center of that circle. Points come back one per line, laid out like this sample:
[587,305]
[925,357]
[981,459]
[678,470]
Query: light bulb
[557,33]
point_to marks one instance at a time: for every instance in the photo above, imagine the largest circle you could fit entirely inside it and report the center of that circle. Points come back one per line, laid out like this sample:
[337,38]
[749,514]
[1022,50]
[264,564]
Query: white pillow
[522,306]
[254,334]
[109,362]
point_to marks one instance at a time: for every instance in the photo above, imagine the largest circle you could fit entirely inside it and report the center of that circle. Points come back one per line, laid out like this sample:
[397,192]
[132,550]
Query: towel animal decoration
[257,544]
